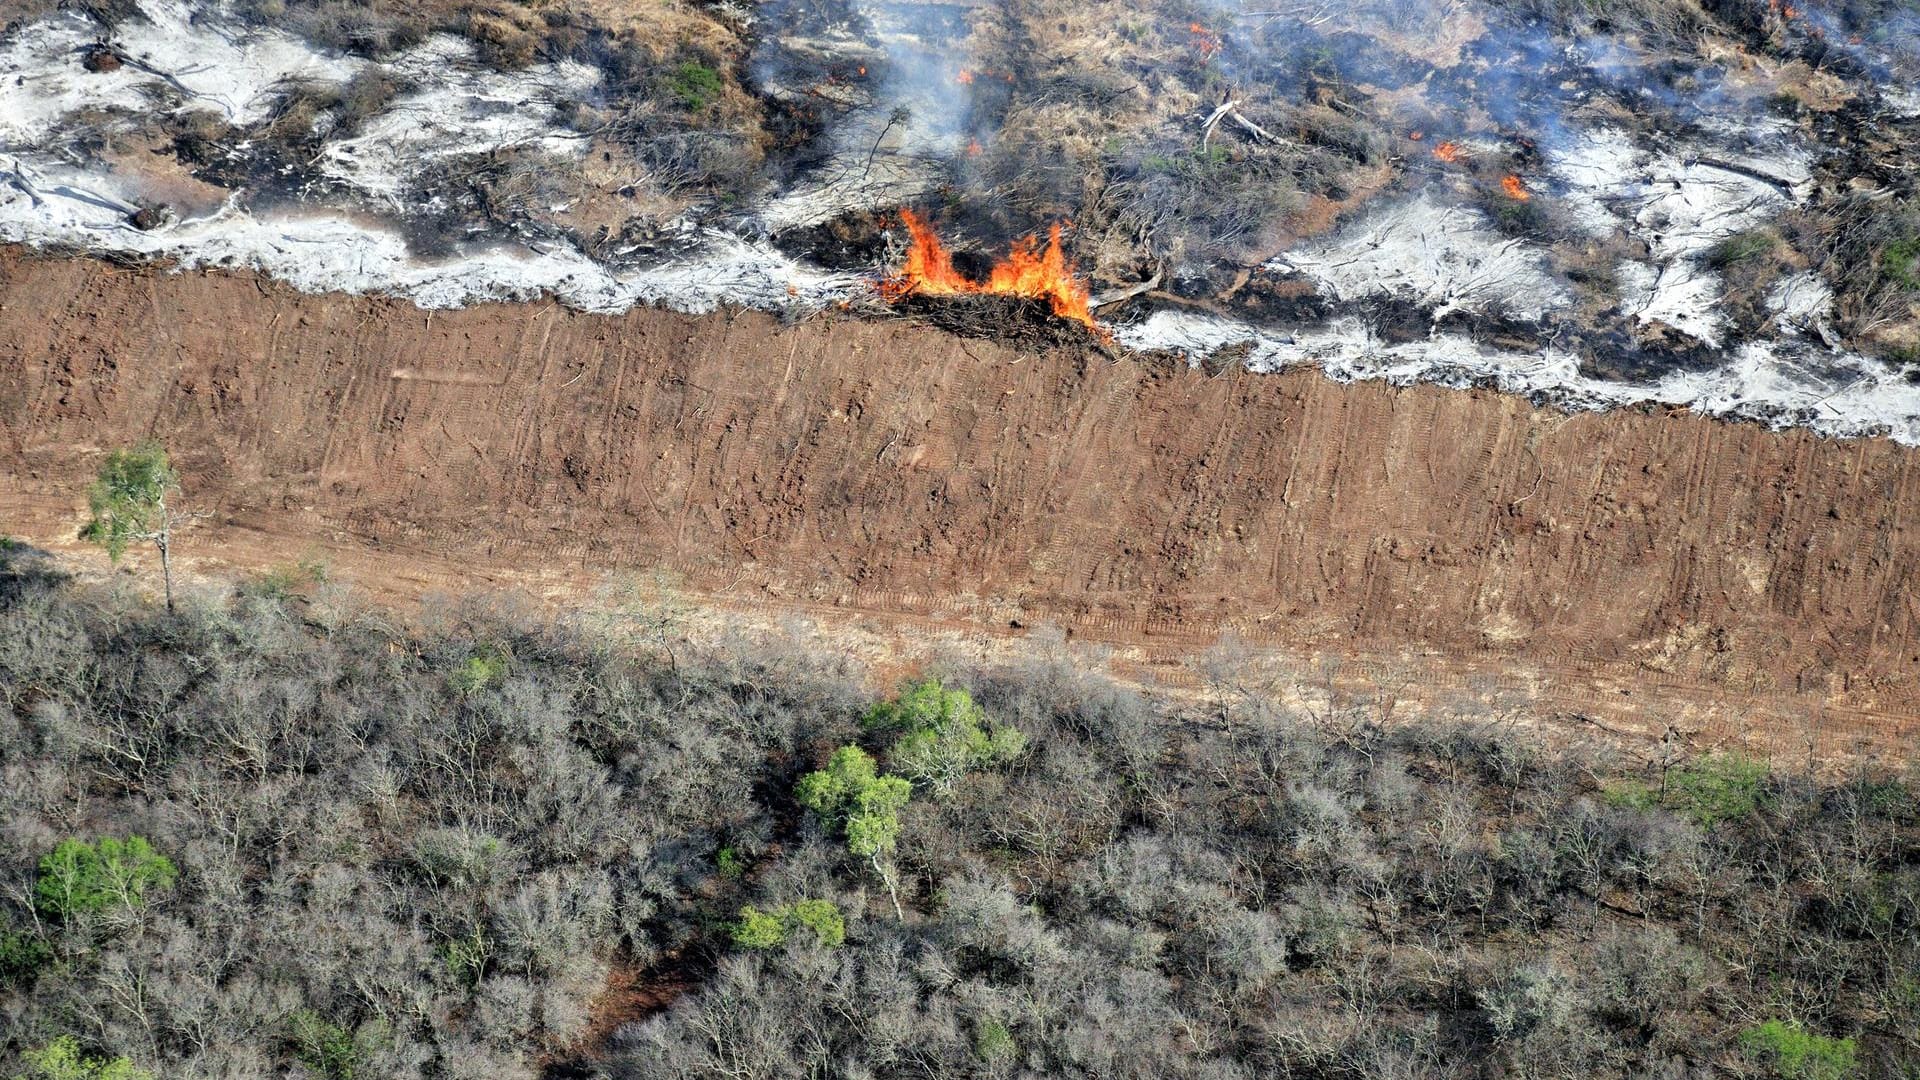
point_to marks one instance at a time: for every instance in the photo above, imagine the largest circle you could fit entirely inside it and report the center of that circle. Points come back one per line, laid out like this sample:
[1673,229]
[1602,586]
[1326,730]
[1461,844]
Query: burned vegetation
[1193,154]
[274,834]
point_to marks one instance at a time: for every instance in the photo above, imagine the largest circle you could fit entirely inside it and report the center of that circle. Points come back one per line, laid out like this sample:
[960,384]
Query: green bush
[62,1059]
[695,84]
[1798,1054]
[1900,262]
[327,1048]
[1632,794]
[22,955]
[461,858]
[944,736]
[1720,787]
[466,958]
[992,1042]
[756,929]
[824,919]
[1742,247]
[479,672]
[287,580]
[81,878]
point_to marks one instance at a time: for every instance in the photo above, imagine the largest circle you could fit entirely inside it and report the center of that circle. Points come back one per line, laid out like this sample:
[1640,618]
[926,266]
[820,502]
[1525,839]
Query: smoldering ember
[884,539]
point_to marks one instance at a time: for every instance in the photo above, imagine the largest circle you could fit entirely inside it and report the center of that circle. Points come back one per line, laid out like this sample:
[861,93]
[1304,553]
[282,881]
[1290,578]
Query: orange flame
[1448,152]
[965,78]
[1028,270]
[1515,188]
[1205,40]
[973,147]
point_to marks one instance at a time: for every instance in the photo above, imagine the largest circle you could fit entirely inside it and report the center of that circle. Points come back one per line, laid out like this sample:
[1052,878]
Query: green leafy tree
[756,929]
[62,1059]
[78,877]
[467,957]
[695,84]
[330,1049]
[1798,1054]
[824,919]
[480,671]
[851,796]
[129,505]
[993,1043]
[22,955]
[944,736]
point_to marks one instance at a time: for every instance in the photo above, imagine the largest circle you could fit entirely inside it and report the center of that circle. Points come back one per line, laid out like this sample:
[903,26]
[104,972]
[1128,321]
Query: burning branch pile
[1028,271]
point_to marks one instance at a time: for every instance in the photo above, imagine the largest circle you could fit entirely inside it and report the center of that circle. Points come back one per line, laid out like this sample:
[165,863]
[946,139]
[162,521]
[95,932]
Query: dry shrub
[1044,161]
[501,42]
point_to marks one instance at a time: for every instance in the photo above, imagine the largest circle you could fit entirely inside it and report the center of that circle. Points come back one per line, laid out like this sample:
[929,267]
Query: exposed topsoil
[1632,569]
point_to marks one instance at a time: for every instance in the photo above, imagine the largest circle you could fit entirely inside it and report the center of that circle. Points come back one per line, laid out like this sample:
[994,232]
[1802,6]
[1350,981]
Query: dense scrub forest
[275,835]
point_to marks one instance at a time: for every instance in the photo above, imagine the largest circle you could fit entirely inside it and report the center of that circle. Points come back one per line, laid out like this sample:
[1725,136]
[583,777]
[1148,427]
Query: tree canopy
[78,877]
[128,499]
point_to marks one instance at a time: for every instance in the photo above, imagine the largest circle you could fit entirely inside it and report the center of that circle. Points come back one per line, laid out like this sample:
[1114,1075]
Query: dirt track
[1635,568]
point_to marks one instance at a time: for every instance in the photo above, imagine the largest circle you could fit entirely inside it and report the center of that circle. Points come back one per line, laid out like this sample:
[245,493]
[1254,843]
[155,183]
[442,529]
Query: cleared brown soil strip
[1638,568]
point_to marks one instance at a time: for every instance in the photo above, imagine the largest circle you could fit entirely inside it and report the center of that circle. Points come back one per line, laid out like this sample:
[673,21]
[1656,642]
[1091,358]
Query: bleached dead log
[1789,188]
[1256,130]
[16,177]
[1114,296]
[1310,14]
[1213,121]
[1230,110]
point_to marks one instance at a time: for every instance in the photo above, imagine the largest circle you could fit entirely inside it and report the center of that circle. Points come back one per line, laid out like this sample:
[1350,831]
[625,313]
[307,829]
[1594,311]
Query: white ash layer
[172,62]
[1681,205]
[1781,385]
[1439,256]
[458,107]
[338,252]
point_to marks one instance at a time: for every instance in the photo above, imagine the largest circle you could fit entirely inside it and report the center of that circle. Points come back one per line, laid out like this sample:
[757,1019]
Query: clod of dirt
[148,218]
[100,60]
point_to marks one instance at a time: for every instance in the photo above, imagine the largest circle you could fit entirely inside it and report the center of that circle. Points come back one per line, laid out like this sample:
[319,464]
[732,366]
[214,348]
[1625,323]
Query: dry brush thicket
[423,851]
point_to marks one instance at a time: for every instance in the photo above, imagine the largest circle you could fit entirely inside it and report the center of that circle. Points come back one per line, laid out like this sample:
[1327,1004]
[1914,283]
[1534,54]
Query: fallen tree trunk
[1114,296]
[1230,110]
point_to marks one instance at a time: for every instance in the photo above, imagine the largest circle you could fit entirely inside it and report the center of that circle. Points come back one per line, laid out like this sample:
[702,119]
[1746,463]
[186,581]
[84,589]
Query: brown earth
[1637,570]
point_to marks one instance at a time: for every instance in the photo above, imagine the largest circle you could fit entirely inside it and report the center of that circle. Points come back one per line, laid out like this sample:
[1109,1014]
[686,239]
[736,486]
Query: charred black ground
[1191,145]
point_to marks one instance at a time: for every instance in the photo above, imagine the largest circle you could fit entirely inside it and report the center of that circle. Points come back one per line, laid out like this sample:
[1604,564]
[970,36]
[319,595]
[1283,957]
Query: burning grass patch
[1029,271]
[1024,321]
